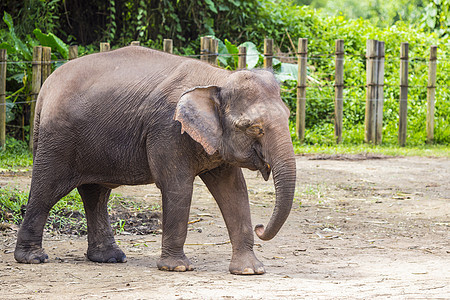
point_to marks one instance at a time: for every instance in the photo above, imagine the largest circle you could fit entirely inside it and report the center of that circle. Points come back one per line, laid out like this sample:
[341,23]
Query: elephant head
[244,119]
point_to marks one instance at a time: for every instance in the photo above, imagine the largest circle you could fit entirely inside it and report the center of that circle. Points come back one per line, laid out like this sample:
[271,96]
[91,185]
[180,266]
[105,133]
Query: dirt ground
[361,227]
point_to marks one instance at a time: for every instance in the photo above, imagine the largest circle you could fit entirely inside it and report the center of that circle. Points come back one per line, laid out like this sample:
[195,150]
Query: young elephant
[138,116]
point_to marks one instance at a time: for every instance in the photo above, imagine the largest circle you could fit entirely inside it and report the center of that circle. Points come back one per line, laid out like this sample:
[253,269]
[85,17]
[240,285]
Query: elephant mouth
[261,164]
[265,171]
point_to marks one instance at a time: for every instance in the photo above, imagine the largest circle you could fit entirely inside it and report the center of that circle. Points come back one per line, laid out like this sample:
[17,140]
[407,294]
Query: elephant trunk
[281,158]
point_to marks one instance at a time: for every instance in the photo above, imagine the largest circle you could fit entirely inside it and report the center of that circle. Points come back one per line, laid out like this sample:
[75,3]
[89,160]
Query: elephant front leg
[176,201]
[227,185]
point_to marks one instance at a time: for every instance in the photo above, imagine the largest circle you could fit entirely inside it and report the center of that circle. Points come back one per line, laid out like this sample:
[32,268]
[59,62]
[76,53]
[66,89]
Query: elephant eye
[250,128]
[255,130]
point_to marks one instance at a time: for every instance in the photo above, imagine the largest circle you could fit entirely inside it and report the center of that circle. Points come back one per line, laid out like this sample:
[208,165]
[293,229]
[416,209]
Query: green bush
[279,17]
[15,154]
[240,22]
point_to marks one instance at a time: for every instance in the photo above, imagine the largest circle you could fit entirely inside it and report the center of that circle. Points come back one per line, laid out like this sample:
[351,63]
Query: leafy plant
[247,23]
[437,17]
[14,44]
[51,40]
[15,155]
[19,72]
[66,215]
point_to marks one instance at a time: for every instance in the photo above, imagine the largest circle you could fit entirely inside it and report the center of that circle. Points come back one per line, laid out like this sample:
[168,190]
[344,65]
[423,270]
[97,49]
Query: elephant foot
[34,256]
[111,254]
[246,264]
[177,264]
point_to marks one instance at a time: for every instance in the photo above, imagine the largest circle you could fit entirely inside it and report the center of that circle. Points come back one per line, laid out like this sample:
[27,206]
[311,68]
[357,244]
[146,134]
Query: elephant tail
[37,122]
[36,132]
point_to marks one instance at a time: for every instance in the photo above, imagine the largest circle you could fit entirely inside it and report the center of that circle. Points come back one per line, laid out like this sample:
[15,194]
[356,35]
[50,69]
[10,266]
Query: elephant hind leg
[101,244]
[45,192]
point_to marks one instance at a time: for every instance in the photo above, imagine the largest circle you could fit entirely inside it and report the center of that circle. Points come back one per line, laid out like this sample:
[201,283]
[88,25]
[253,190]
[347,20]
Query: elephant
[136,116]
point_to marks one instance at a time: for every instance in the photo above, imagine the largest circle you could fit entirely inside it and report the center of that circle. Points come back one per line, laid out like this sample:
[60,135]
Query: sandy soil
[359,228]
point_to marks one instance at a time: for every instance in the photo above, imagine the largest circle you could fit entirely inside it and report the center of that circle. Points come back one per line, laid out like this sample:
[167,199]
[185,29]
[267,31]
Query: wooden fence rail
[41,69]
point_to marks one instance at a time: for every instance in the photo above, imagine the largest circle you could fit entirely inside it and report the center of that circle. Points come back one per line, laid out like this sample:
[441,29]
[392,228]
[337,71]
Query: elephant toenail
[180,269]
[248,271]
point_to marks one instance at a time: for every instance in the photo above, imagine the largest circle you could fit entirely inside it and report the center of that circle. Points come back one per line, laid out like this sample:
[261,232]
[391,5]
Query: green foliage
[112,29]
[13,202]
[17,82]
[68,216]
[51,40]
[381,13]
[228,54]
[14,44]
[18,74]
[247,23]
[322,31]
[437,17]
[391,150]
[14,155]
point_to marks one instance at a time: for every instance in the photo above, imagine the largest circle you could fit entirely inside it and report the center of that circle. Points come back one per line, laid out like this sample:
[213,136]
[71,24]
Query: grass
[15,156]
[391,150]
[67,216]
[11,202]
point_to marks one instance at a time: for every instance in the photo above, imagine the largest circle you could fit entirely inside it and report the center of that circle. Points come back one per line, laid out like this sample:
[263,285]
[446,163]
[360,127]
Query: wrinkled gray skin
[138,116]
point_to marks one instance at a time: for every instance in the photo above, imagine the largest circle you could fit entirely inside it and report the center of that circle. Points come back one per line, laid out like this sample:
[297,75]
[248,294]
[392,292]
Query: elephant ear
[197,112]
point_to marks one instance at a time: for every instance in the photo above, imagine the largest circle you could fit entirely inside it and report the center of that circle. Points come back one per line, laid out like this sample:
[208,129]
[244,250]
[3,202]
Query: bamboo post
[380,95]
[403,105]
[46,63]
[204,48]
[371,94]
[35,88]
[301,88]
[214,49]
[168,45]
[339,91]
[431,93]
[73,52]
[3,60]
[242,62]
[104,47]
[268,53]
[135,43]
